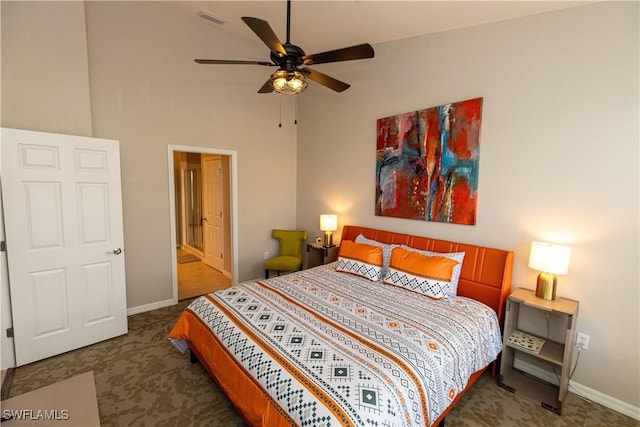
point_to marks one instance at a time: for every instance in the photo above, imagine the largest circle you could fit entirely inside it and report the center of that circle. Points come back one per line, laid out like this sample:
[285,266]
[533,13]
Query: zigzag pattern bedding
[335,349]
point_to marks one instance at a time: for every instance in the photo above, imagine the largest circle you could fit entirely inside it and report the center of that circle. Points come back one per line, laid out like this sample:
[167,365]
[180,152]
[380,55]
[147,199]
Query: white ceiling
[318,26]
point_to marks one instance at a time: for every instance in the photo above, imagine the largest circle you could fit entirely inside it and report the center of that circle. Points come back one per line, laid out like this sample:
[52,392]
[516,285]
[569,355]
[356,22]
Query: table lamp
[328,224]
[550,259]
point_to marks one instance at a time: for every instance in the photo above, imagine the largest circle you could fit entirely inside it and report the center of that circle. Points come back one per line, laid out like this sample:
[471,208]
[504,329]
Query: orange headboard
[485,274]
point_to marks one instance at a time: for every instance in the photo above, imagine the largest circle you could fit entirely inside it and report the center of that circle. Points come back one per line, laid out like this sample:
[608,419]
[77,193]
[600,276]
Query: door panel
[43,215]
[93,213]
[49,290]
[39,157]
[96,292]
[63,217]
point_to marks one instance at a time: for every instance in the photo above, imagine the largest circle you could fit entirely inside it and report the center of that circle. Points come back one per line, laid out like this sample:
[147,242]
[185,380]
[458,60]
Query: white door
[63,217]
[212,181]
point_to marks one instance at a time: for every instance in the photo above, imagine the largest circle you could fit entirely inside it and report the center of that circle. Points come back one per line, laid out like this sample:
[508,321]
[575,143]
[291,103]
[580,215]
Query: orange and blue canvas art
[427,163]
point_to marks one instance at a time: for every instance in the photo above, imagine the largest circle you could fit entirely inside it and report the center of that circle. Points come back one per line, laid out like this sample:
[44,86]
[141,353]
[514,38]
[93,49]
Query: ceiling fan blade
[265,33]
[232,62]
[325,80]
[266,87]
[361,51]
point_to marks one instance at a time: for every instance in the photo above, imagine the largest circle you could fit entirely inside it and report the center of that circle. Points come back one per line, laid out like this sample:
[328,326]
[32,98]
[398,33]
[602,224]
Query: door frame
[233,191]
[7,349]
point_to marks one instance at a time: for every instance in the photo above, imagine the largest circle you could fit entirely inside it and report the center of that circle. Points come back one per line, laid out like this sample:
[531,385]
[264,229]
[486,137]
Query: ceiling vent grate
[211,17]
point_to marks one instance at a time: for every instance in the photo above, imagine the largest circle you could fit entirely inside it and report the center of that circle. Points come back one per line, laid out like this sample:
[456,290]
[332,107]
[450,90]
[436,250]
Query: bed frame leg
[193,357]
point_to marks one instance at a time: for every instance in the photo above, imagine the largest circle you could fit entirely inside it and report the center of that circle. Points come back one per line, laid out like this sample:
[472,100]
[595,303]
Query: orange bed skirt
[253,403]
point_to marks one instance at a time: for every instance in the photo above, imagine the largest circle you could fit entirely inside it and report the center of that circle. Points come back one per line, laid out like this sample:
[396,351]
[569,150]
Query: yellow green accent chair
[289,258]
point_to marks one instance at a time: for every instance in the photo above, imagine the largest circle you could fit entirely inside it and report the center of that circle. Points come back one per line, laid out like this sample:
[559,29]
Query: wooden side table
[557,354]
[320,255]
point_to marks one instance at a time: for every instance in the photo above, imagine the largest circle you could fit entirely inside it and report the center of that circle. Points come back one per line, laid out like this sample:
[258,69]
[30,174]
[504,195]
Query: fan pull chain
[295,112]
[280,122]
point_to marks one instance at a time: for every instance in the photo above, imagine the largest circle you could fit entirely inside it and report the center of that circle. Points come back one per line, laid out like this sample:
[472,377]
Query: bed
[329,346]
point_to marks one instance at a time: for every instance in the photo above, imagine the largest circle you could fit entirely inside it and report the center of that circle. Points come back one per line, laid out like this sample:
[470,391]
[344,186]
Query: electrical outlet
[582,341]
[266,254]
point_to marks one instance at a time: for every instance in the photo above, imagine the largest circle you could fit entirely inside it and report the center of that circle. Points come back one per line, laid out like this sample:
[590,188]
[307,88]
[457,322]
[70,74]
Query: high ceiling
[319,26]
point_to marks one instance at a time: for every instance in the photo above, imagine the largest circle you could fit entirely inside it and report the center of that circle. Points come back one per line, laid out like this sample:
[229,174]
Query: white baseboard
[148,307]
[605,400]
[582,390]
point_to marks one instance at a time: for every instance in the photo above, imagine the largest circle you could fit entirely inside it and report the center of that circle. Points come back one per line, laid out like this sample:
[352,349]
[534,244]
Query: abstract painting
[427,163]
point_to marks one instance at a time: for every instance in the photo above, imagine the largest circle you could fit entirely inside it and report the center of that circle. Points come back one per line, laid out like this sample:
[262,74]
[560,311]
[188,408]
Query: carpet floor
[142,380]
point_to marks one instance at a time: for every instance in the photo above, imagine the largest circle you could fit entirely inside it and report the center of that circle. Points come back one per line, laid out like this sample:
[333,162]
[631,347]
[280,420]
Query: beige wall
[558,156]
[45,76]
[147,92]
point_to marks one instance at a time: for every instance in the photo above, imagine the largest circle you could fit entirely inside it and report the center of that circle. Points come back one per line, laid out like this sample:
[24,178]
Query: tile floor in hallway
[197,278]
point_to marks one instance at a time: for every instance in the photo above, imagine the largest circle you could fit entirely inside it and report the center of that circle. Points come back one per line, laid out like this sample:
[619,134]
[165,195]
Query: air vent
[211,17]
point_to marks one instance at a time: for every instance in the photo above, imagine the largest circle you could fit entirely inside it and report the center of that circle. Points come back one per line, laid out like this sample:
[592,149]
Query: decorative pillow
[456,256]
[428,275]
[386,251]
[360,259]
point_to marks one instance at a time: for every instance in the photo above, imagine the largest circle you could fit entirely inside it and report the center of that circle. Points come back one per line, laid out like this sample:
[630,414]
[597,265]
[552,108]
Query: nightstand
[551,321]
[320,255]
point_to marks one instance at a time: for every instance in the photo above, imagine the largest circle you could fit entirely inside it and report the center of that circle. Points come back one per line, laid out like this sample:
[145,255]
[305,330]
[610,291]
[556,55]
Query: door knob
[117,251]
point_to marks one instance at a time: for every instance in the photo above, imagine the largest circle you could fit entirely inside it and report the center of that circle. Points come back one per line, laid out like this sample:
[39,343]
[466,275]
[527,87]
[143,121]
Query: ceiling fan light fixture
[288,82]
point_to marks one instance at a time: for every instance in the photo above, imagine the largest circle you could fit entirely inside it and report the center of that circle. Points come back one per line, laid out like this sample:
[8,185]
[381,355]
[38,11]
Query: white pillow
[452,289]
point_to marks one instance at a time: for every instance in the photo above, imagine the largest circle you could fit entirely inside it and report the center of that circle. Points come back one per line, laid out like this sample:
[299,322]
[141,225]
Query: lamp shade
[328,222]
[549,258]
[288,82]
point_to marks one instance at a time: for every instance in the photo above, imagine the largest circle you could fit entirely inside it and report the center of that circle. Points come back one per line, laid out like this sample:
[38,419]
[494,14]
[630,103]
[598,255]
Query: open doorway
[203,195]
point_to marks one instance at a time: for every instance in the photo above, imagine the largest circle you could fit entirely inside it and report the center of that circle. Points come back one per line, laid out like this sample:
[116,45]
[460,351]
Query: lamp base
[546,287]
[327,239]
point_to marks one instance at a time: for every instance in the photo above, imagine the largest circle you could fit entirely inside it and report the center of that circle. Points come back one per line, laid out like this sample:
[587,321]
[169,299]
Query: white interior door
[63,217]
[212,196]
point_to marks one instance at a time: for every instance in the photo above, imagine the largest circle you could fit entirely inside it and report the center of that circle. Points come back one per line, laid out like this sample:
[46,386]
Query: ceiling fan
[290,78]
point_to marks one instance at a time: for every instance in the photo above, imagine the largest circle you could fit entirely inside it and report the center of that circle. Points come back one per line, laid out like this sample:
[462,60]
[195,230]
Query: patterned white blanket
[334,349]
